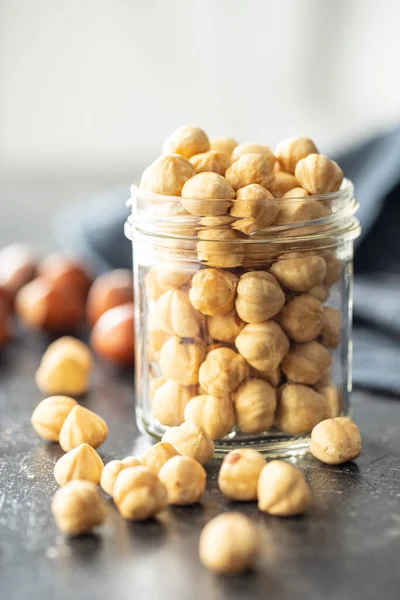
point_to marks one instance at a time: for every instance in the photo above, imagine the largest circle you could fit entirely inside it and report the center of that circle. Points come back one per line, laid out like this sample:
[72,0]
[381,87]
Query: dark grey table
[347,547]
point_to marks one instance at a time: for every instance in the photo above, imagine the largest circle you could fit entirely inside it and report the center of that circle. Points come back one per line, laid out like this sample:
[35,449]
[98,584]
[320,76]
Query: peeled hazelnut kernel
[139,494]
[156,456]
[331,327]
[284,183]
[335,441]
[283,490]
[221,222]
[215,416]
[73,346]
[212,291]
[293,209]
[187,141]
[222,371]
[49,416]
[225,328]
[78,507]
[216,250]
[223,144]
[155,341]
[176,315]
[239,473]
[169,402]
[250,148]
[251,168]
[110,289]
[167,175]
[82,462]
[333,270]
[263,345]
[113,335]
[66,274]
[301,318]
[180,361]
[191,440]
[333,401]
[82,426]
[184,479]
[65,368]
[255,203]
[214,161]
[320,292]
[112,469]
[300,408]
[290,151]
[17,268]
[255,404]
[153,288]
[306,363]
[229,544]
[273,377]
[299,273]
[173,273]
[259,297]
[207,195]
[319,175]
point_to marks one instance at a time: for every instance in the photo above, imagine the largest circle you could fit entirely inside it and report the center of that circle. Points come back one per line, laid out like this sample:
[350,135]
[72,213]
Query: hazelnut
[255,404]
[78,507]
[82,462]
[207,195]
[186,141]
[109,290]
[176,315]
[139,494]
[293,209]
[213,160]
[223,144]
[112,470]
[169,402]
[300,408]
[263,345]
[156,457]
[331,326]
[6,327]
[249,148]
[283,490]
[17,268]
[333,270]
[173,274]
[333,401]
[49,416]
[259,297]
[214,415]
[184,479]
[213,291]
[180,361]
[71,345]
[319,175]
[167,175]
[306,363]
[251,168]
[113,335]
[257,207]
[222,371]
[221,222]
[229,544]
[273,377]
[320,292]
[82,426]
[191,440]
[335,441]
[153,288]
[66,274]
[290,151]
[299,273]
[216,249]
[225,328]
[301,318]
[239,473]
[284,182]
[155,341]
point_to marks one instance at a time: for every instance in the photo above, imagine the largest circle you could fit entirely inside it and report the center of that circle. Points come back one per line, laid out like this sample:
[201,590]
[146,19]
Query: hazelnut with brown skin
[212,160]
[306,363]
[187,141]
[6,328]
[212,291]
[249,148]
[255,404]
[181,361]
[259,297]
[256,206]
[113,335]
[167,175]
[299,272]
[139,494]
[177,316]
[184,479]
[170,401]
[251,168]
[283,490]
[217,250]
[191,440]
[239,473]
[222,371]
[66,273]
[335,441]
[215,415]
[263,345]
[319,175]
[17,268]
[225,328]
[207,195]
[110,289]
[289,152]
[331,327]
[223,144]
[78,507]
[300,408]
[301,318]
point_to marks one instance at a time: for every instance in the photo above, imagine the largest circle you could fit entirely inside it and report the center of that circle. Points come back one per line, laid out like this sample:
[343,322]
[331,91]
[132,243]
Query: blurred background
[90,89]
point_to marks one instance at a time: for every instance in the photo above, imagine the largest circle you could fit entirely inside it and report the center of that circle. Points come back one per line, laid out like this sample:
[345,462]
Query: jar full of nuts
[243,282]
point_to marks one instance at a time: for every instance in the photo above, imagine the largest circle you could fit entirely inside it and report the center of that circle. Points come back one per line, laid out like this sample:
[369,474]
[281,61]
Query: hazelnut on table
[214,415]
[225,328]
[239,473]
[290,151]
[112,469]
[259,297]
[181,361]
[113,336]
[300,408]
[169,402]
[156,456]
[299,272]
[108,290]
[306,363]
[251,168]
[335,441]
[263,345]
[210,161]
[331,327]
[167,175]
[223,144]
[49,416]
[184,479]
[139,494]
[78,507]
[255,404]
[250,148]
[82,426]
[319,175]
[301,318]
[207,195]
[191,440]
[82,462]
[222,371]
[212,291]
[283,490]
[17,268]
[187,141]
[66,274]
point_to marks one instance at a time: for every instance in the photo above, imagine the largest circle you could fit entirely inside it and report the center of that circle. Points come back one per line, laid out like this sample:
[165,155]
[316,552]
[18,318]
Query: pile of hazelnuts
[58,295]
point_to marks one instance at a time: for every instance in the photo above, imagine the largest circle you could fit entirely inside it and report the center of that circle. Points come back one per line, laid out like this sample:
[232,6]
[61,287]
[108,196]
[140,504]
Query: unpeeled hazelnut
[212,291]
[170,401]
[225,328]
[301,318]
[222,371]
[299,273]
[191,440]
[82,426]
[177,316]
[223,144]
[249,148]
[290,151]
[207,195]
[255,404]
[284,182]
[49,416]
[66,274]
[229,544]
[187,141]
[78,507]
[256,206]
[283,490]
[335,441]
[156,456]
[300,408]
[259,297]
[110,289]
[263,345]
[112,469]
[184,479]
[180,361]
[212,160]
[251,168]
[113,336]
[239,473]
[319,175]
[139,494]
[333,401]
[331,327]
[215,416]
[17,268]
[82,462]
[167,175]
[306,363]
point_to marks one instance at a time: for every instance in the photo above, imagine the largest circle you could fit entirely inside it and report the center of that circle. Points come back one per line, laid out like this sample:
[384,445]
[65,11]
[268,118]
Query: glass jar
[251,320]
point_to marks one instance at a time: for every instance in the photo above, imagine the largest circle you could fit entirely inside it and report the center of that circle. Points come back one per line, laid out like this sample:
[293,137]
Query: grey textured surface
[347,547]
